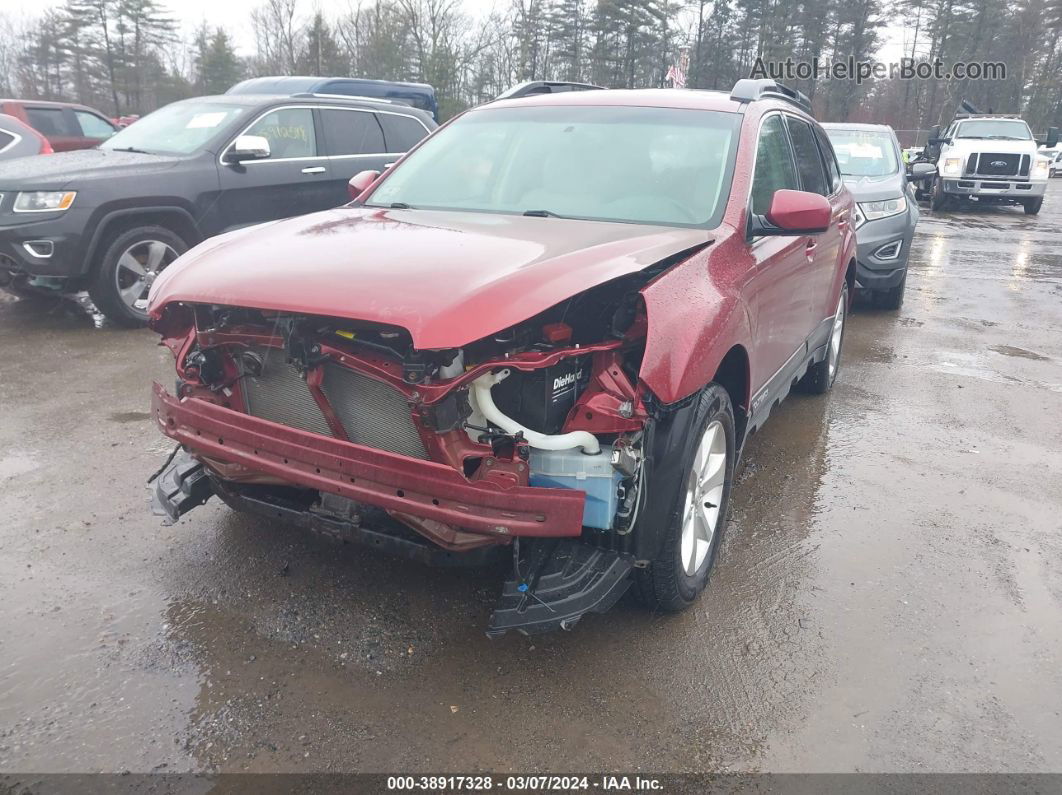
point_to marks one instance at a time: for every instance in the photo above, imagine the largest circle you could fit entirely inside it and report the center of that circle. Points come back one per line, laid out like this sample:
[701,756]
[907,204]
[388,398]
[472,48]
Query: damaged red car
[544,334]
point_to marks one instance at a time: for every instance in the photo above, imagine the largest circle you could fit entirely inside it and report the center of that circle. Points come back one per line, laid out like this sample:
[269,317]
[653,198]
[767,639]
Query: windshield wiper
[399,206]
[542,214]
[130,149]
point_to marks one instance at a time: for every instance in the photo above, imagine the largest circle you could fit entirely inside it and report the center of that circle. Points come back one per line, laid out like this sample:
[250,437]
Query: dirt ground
[888,596]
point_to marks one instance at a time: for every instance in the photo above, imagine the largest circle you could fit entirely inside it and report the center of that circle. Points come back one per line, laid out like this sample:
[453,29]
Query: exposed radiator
[372,413]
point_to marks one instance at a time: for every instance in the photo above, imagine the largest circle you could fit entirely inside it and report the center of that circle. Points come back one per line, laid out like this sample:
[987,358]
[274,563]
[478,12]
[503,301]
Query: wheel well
[849,276]
[733,376]
[178,221]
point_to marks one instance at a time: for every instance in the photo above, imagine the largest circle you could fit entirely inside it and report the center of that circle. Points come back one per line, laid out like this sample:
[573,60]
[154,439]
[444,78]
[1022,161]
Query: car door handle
[809,249]
[842,219]
[314,170]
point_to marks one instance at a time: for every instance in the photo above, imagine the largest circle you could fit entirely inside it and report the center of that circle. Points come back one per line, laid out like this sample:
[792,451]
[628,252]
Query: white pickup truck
[988,158]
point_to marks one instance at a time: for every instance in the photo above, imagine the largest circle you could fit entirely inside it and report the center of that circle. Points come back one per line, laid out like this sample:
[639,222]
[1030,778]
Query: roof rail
[749,90]
[360,98]
[534,87]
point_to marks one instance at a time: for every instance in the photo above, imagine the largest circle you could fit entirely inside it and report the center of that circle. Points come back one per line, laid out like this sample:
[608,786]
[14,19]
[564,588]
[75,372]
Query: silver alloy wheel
[137,269]
[704,497]
[836,334]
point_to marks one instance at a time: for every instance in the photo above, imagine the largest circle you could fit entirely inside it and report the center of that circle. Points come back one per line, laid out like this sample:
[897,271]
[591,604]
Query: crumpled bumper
[387,480]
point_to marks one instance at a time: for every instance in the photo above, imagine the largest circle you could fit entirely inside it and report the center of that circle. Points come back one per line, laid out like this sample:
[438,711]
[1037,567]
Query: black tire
[938,199]
[1032,206]
[819,379]
[893,297]
[104,289]
[665,584]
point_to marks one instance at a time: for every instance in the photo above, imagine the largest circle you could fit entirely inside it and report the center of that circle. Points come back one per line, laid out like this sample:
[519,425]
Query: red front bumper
[376,477]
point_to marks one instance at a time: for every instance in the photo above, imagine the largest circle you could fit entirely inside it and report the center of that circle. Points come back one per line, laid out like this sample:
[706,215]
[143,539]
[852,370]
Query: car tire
[893,297]
[132,259]
[1032,206]
[938,199]
[820,375]
[675,578]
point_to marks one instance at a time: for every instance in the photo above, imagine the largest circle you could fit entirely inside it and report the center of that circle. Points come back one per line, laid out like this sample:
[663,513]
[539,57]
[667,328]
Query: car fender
[696,316]
[106,216]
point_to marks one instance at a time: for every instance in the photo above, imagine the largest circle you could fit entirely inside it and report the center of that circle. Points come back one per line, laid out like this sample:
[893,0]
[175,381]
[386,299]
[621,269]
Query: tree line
[131,56]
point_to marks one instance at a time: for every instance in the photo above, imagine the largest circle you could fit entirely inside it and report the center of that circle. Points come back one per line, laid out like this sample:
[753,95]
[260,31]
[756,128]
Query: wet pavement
[888,596]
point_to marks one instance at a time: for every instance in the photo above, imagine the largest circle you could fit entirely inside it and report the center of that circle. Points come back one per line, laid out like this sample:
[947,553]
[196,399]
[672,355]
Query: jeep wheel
[938,199]
[694,525]
[821,375]
[127,270]
[893,297]
[1032,206]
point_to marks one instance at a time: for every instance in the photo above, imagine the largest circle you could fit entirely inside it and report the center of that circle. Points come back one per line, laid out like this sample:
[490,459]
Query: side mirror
[923,170]
[360,182]
[793,212]
[248,147]
[1052,138]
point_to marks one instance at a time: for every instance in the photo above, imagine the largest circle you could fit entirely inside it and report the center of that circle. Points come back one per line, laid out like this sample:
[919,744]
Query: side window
[352,132]
[774,165]
[290,132]
[401,132]
[833,171]
[92,126]
[808,159]
[48,121]
[6,140]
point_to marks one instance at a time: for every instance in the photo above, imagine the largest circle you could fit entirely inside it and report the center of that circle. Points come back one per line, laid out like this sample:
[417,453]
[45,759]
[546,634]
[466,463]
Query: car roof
[290,83]
[642,97]
[262,100]
[47,103]
[844,125]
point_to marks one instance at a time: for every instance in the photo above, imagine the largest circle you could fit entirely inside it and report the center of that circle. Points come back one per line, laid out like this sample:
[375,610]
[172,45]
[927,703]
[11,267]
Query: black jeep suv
[110,219]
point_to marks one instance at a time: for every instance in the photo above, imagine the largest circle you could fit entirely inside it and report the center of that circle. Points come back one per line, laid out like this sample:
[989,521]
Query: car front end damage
[526,445]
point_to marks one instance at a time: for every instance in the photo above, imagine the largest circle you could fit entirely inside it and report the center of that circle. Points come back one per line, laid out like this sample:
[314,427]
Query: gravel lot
[888,596]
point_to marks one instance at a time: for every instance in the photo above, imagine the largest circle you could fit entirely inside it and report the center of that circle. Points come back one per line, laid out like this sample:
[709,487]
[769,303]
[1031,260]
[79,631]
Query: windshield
[864,153]
[637,165]
[1013,129]
[180,129]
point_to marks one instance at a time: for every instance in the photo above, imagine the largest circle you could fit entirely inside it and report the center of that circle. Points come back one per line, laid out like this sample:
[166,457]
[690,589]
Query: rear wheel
[694,525]
[129,267]
[1032,206]
[821,375]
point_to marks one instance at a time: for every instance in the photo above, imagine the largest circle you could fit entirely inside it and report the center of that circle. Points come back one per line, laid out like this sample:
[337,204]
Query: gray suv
[886,212]
[110,219]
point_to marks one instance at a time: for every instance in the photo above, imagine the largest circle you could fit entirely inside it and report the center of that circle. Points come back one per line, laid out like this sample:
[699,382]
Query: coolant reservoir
[573,469]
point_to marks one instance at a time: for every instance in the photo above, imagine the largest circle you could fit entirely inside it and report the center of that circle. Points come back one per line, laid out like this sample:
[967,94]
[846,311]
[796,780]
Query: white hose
[565,441]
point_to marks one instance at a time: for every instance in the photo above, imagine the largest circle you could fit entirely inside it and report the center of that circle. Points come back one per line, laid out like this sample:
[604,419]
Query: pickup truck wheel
[821,375]
[695,523]
[938,199]
[128,269]
[1032,206]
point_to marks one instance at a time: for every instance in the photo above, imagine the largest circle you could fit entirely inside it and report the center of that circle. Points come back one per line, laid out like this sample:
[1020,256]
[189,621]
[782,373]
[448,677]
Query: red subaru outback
[549,328]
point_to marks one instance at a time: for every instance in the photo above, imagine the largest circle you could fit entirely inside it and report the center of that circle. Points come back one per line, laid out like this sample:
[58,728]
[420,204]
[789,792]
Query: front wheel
[893,297]
[129,267]
[1032,206]
[821,375]
[694,525]
[938,199]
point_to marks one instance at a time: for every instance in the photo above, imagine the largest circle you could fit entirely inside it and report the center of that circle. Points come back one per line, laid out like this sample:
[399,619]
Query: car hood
[449,278]
[960,146]
[65,169]
[873,189]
